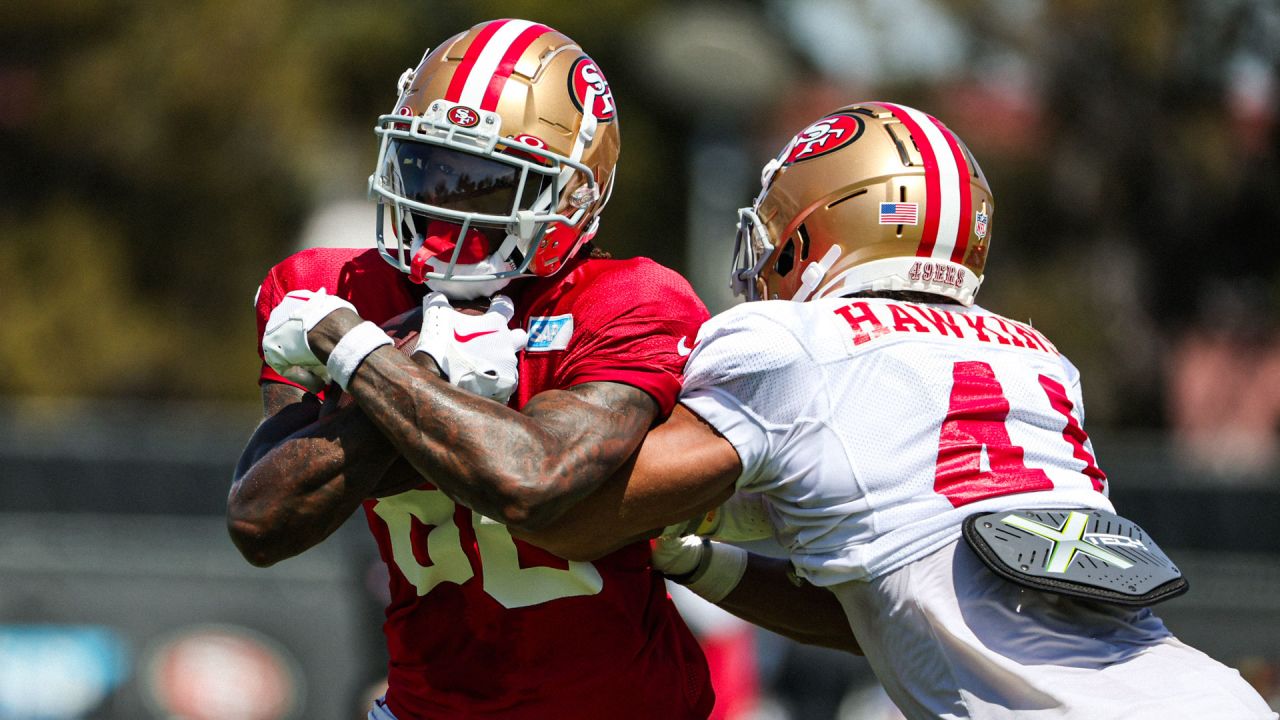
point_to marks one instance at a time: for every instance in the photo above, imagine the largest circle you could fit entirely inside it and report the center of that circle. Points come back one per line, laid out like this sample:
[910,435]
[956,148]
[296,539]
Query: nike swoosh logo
[471,336]
[682,349]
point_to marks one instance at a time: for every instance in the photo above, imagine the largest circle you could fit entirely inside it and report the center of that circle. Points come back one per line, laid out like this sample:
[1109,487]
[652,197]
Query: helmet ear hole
[786,258]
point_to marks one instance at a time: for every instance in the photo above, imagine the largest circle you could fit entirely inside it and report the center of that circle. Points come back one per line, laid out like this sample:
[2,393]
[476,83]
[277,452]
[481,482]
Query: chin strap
[421,257]
[814,272]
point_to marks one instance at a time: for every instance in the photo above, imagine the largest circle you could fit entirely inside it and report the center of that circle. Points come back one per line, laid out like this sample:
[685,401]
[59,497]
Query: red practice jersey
[481,624]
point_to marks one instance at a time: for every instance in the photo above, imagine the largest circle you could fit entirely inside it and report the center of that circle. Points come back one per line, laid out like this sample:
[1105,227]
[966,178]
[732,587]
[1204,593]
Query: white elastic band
[352,349]
[724,568]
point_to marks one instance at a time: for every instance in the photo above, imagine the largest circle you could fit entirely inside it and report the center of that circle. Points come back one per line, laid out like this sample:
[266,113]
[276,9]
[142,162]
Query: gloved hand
[475,352]
[677,556]
[710,569]
[741,518]
[284,341]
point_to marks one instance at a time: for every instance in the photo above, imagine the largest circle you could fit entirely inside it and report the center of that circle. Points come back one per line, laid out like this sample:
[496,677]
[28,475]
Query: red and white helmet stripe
[948,203]
[490,60]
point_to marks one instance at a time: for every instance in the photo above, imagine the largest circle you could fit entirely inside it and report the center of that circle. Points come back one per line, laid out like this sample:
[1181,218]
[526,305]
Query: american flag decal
[899,213]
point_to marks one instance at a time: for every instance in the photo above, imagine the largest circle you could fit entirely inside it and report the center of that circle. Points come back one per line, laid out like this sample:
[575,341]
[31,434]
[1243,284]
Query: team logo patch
[551,332]
[825,136]
[980,224]
[463,116]
[586,74]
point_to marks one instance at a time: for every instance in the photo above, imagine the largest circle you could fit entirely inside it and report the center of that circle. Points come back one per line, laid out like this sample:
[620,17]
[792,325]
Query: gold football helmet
[497,158]
[874,196]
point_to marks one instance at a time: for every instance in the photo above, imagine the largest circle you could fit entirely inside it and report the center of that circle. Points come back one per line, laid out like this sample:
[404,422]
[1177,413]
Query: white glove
[677,555]
[710,569]
[476,352]
[284,342]
[741,518]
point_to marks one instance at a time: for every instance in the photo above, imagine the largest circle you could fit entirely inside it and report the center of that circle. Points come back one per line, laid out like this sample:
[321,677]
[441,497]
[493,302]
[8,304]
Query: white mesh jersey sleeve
[730,380]
[873,428]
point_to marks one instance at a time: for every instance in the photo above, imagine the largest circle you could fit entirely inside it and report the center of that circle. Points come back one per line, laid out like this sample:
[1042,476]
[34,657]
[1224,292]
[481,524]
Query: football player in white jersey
[860,429]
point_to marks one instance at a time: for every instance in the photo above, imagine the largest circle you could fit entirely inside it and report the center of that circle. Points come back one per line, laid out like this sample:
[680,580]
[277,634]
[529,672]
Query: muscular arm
[523,468]
[768,596]
[301,474]
[683,468]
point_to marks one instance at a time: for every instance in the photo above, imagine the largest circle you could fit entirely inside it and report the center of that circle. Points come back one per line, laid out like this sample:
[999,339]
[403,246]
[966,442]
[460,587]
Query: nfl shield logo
[980,225]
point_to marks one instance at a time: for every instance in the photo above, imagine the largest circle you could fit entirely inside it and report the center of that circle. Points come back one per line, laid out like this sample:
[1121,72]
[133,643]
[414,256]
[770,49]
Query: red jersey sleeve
[635,323]
[270,292]
[378,291]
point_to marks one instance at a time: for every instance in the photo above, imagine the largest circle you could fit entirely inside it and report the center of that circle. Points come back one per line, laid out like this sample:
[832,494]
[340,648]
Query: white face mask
[470,289]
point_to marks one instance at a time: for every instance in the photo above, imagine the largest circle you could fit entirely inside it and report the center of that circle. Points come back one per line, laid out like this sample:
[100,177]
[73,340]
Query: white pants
[949,639]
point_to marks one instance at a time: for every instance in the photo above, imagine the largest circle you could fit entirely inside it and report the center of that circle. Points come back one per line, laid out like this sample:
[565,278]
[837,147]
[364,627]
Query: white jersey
[872,427]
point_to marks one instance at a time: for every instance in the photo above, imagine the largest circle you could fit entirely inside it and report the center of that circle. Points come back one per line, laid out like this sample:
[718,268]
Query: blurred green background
[158,158]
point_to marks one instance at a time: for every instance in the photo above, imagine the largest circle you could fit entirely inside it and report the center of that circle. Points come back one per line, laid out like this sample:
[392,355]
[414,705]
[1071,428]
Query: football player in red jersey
[494,166]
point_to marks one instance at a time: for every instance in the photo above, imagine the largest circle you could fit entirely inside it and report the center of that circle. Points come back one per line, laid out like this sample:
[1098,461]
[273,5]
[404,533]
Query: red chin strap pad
[440,239]
[418,265]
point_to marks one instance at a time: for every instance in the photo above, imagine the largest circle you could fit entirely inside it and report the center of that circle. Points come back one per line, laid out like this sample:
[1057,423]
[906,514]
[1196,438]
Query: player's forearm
[521,468]
[302,487]
[682,470]
[767,596]
[524,470]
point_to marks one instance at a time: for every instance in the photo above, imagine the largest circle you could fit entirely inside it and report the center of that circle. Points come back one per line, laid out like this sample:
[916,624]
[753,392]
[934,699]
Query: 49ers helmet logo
[825,136]
[463,116]
[586,74]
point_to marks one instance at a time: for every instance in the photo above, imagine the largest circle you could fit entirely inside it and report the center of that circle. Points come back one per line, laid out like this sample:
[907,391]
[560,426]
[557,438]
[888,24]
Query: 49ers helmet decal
[830,217]
[489,166]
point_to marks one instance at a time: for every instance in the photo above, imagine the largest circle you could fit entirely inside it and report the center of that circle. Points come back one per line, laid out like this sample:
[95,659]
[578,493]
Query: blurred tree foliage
[1152,183]
[158,158]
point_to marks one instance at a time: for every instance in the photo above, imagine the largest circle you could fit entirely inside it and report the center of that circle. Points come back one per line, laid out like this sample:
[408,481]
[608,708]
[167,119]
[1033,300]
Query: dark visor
[460,181]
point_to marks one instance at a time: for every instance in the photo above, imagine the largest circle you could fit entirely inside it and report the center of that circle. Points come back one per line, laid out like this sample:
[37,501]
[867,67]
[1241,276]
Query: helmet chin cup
[466,289]
[468,281]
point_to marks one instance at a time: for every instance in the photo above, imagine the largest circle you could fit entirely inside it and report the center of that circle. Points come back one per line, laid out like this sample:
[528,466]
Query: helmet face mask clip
[751,251]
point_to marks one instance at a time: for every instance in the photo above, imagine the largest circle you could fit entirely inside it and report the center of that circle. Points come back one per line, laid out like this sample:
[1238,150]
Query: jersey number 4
[975,431]
[504,579]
